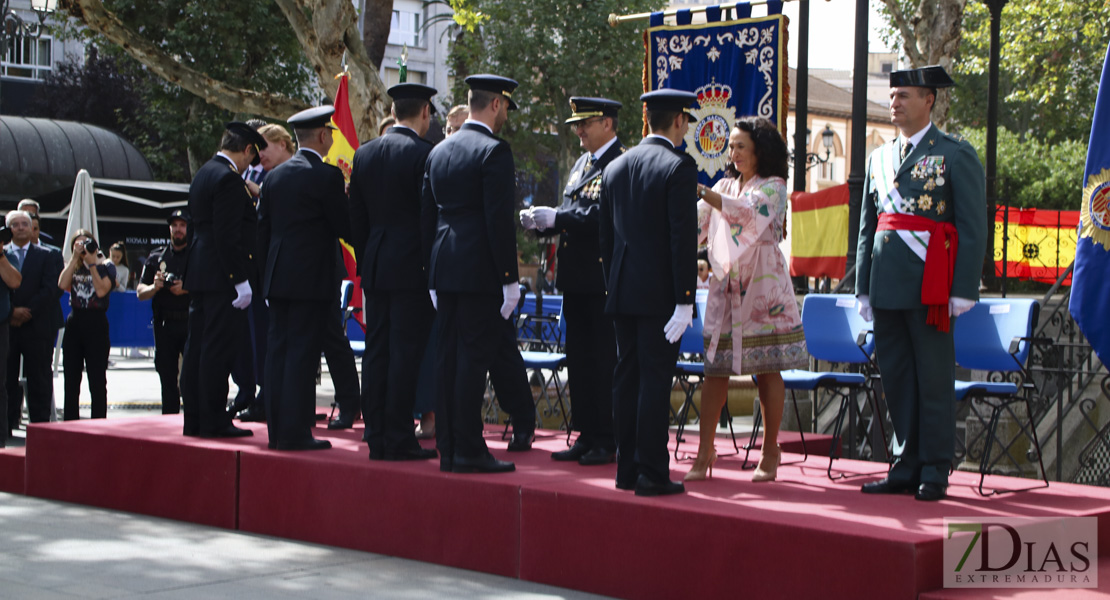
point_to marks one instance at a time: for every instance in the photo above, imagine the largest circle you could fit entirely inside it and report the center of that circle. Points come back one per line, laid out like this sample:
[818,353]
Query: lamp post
[813,159]
[16,27]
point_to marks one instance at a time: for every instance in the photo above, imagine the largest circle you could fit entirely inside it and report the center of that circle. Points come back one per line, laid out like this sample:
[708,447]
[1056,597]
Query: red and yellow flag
[342,154]
[819,240]
[1041,243]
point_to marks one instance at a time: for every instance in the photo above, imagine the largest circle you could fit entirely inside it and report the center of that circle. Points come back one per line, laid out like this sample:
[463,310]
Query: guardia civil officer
[924,201]
[224,229]
[302,214]
[591,344]
[469,231]
[649,254]
[386,179]
[162,282]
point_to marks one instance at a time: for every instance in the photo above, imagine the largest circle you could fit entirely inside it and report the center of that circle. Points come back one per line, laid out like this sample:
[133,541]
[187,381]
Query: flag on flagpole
[342,154]
[1040,244]
[1091,277]
[819,233]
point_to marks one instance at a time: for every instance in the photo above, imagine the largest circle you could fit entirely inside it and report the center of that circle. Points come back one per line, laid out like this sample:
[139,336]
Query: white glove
[243,299]
[435,300]
[865,308]
[544,217]
[526,220]
[958,306]
[680,320]
[511,293]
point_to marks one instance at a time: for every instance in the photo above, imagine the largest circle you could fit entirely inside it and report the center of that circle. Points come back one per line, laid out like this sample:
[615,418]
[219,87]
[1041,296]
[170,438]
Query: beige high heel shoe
[702,469]
[768,465]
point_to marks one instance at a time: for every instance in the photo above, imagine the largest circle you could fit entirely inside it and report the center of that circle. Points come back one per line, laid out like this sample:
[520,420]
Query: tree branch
[98,18]
[909,39]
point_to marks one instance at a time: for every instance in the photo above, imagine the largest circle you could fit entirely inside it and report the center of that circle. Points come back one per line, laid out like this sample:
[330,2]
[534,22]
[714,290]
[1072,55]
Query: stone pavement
[56,550]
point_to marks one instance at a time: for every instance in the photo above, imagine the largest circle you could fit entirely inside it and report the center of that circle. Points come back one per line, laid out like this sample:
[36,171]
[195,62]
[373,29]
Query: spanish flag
[1040,244]
[819,240]
[342,154]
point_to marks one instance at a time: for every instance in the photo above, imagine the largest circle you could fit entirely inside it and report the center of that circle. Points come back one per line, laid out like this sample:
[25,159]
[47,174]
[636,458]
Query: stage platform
[548,522]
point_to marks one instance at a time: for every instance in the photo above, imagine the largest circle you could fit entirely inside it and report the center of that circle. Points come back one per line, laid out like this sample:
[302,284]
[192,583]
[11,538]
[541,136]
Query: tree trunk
[377,17]
[931,36]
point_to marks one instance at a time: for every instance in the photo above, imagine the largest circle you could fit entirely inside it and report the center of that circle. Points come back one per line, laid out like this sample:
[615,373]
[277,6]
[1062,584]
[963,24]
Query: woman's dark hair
[770,149]
[122,250]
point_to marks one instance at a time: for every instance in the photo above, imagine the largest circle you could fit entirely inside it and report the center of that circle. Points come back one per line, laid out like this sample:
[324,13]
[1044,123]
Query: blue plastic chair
[835,332]
[996,336]
[536,362]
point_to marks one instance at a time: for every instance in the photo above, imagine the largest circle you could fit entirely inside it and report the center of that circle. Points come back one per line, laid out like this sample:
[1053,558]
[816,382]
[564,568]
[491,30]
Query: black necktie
[906,149]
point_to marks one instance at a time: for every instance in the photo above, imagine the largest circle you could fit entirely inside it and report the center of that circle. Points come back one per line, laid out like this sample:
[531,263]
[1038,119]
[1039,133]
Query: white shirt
[605,148]
[656,135]
[916,138]
[221,153]
[303,149]
[488,128]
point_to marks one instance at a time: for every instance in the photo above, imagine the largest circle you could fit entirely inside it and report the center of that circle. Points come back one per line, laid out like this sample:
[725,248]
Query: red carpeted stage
[549,522]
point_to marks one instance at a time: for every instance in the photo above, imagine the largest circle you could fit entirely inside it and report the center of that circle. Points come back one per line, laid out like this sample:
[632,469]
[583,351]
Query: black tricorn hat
[932,76]
[586,108]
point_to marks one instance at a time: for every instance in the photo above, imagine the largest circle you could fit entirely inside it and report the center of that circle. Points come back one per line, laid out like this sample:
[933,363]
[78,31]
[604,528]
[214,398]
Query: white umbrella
[82,212]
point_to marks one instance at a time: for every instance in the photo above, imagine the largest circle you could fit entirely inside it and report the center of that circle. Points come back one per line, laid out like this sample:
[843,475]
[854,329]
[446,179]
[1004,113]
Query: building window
[393,77]
[887,67]
[29,57]
[404,29]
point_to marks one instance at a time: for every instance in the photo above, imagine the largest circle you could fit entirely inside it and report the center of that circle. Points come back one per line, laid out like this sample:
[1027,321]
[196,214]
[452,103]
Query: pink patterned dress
[751,298]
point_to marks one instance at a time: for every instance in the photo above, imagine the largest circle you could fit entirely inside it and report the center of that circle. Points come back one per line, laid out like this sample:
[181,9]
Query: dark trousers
[591,348]
[169,345]
[260,331]
[86,345]
[397,326]
[472,337]
[918,366]
[296,339]
[243,371]
[642,397]
[215,335]
[341,362]
[5,431]
[35,348]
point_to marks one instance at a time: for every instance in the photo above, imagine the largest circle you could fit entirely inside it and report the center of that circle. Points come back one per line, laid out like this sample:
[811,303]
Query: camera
[91,247]
[171,279]
[5,235]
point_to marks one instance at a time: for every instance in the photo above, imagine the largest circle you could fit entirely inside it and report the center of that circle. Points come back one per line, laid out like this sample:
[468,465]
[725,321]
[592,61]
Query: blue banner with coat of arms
[736,67]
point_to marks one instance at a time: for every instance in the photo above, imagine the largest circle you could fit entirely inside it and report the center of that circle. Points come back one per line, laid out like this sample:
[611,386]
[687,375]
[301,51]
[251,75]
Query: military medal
[940,179]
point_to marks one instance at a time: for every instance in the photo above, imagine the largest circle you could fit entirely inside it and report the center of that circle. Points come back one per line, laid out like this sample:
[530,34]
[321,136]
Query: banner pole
[615,19]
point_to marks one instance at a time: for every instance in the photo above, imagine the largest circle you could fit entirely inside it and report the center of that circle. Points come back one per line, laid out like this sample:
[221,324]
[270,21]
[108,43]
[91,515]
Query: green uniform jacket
[941,179]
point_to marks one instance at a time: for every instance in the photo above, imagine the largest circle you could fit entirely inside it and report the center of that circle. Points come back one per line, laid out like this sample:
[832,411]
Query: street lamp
[812,159]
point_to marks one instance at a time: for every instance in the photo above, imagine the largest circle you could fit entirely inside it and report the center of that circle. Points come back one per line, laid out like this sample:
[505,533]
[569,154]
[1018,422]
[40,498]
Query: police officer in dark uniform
[386,178]
[303,213]
[469,233]
[162,282]
[649,249]
[591,343]
[220,264]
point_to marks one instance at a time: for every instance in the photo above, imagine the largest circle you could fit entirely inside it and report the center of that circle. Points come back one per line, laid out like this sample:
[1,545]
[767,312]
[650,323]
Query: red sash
[940,261]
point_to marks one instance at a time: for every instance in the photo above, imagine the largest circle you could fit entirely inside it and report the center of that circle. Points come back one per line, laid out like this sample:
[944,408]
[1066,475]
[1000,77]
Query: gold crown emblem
[714,95]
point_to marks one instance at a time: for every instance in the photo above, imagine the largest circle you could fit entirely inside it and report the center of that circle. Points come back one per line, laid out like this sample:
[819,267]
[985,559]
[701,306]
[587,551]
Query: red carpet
[547,522]
[12,478]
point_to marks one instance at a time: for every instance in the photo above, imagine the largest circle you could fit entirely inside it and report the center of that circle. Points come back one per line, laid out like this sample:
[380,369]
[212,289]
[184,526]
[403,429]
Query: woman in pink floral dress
[752,323]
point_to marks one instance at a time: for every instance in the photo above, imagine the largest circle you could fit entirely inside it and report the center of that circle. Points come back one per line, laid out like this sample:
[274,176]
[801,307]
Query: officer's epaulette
[955,137]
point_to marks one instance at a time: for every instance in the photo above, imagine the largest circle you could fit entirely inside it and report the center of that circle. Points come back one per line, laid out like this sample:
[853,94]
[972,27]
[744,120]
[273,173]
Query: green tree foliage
[1033,173]
[1051,57]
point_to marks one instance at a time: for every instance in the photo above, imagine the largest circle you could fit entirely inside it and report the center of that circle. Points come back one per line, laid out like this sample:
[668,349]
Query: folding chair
[835,332]
[996,335]
[538,361]
[690,374]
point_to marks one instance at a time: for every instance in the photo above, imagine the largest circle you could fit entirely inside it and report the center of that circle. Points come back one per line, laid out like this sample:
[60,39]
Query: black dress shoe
[482,464]
[627,486]
[647,487]
[240,404]
[254,414]
[931,492]
[598,456]
[446,464]
[377,454]
[575,452]
[886,486]
[306,444]
[230,431]
[342,422]
[414,454]
[521,442]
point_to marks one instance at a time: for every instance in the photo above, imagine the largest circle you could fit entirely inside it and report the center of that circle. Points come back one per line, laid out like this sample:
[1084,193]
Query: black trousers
[169,345]
[472,338]
[642,397]
[36,348]
[215,336]
[397,327]
[5,431]
[341,362]
[243,372]
[86,344]
[295,342]
[591,348]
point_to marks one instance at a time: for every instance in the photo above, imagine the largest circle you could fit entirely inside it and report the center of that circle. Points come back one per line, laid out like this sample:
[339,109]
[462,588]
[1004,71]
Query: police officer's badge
[707,138]
[1094,216]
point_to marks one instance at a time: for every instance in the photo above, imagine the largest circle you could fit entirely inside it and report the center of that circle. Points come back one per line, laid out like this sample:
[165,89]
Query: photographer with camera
[161,282]
[89,279]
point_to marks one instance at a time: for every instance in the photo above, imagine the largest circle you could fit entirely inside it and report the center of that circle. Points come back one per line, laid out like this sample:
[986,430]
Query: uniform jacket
[649,230]
[224,229]
[386,180]
[39,289]
[303,212]
[579,226]
[468,225]
[941,179]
